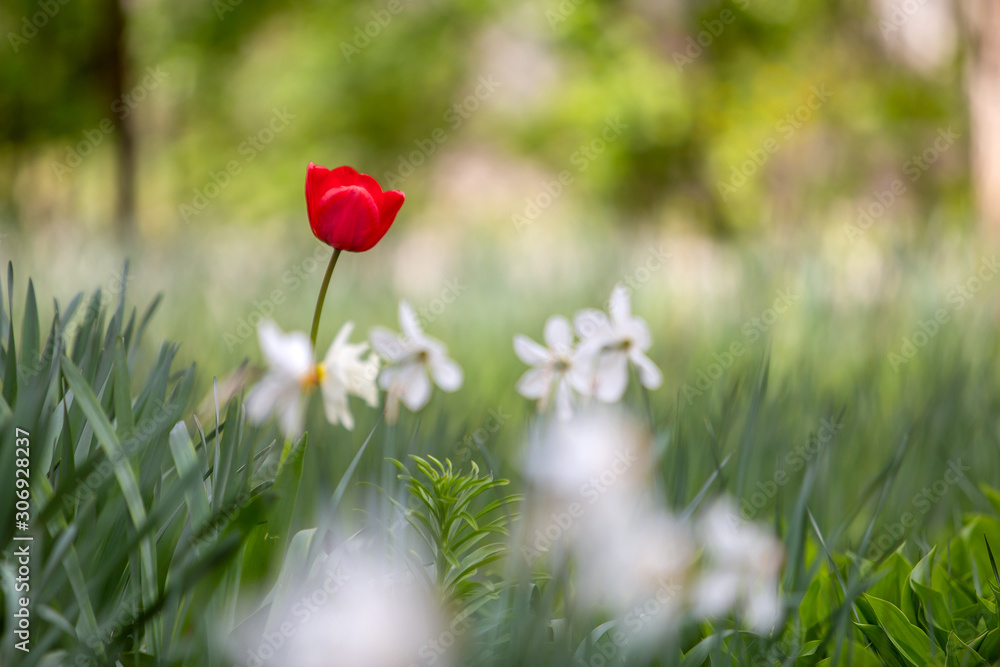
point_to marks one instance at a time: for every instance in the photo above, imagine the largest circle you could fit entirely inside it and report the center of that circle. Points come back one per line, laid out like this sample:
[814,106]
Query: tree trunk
[119,66]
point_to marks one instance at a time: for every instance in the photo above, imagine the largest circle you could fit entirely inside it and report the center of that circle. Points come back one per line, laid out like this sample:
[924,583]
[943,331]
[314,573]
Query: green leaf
[912,643]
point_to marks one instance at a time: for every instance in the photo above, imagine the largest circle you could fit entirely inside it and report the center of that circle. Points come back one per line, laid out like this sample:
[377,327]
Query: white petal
[408,322]
[446,372]
[266,394]
[591,325]
[335,402]
[649,374]
[637,331]
[559,335]
[612,376]
[763,609]
[387,344]
[536,383]
[291,417]
[342,337]
[716,593]
[620,305]
[564,400]
[529,351]
[289,353]
[415,387]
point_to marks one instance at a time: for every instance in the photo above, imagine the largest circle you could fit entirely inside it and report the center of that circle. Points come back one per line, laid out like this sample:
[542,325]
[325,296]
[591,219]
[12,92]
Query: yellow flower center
[313,378]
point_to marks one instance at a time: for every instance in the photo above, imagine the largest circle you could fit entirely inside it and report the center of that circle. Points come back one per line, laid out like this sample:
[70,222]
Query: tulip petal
[346,218]
[392,201]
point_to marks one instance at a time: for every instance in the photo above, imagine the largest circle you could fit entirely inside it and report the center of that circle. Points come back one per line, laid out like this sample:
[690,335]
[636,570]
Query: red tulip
[348,210]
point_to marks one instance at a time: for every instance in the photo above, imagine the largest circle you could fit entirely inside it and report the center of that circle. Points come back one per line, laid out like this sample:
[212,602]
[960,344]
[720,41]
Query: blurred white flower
[608,345]
[292,373]
[554,368]
[372,620]
[742,570]
[413,359]
[598,453]
[344,372]
[640,558]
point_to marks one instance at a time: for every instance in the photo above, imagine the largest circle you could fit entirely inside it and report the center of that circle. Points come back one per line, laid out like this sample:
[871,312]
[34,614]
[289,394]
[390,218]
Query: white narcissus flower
[344,372]
[292,373]
[413,358]
[555,369]
[609,344]
[743,569]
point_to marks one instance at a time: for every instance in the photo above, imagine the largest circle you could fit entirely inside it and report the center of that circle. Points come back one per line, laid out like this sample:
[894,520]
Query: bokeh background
[717,157]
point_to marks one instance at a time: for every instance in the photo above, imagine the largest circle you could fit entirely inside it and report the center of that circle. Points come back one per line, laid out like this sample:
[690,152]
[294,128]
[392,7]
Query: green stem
[322,296]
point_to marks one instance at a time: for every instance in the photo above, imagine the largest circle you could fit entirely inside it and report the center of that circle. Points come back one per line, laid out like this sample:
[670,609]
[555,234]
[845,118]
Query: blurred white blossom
[413,358]
[743,567]
[554,369]
[292,374]
[609,344]
[344,372]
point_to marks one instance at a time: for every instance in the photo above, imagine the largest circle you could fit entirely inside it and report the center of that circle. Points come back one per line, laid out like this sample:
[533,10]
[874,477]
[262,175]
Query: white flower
[291,370]
[744,565]
[555,369]
[292,373]
[638,558]
[371,618]
[610,344]
[344,372]
[413,359]
[598,453]
[583,475]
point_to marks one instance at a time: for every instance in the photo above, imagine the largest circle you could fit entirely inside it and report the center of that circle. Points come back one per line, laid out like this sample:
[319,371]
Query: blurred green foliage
[698,87]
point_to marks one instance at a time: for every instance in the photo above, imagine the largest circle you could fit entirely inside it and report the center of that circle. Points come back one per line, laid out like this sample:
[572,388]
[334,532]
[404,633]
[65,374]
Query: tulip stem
[322,296]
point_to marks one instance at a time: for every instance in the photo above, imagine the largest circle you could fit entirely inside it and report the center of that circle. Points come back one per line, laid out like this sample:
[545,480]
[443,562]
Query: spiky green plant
[458,524]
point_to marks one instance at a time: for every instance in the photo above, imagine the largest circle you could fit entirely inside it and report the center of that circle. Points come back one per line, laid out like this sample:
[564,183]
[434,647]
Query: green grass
[157,534]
